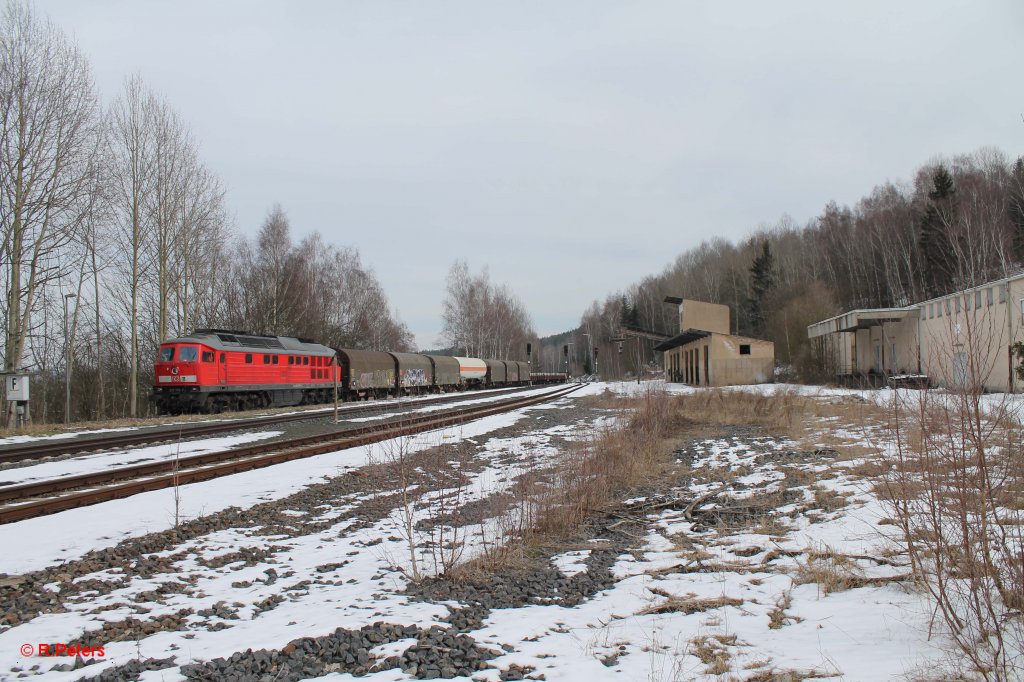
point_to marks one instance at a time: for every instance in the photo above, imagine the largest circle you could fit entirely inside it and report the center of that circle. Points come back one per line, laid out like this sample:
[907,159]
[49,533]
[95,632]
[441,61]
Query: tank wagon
[212,370]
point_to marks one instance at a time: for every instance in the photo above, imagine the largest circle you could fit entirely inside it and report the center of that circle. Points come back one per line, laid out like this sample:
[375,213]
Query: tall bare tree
[130,141]
[48,115]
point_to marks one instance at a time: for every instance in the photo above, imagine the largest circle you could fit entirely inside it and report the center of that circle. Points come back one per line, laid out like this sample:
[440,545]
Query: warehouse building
[963,339]
[704,353]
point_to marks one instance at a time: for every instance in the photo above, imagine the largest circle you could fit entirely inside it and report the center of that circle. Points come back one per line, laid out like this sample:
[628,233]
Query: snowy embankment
[787,568]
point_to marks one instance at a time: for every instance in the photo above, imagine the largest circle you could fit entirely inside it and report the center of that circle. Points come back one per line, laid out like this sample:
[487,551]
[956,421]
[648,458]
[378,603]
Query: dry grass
[831,571]
[777,617]
[688,604]
[827,499]
[785,413]
[712,652]
[594,472]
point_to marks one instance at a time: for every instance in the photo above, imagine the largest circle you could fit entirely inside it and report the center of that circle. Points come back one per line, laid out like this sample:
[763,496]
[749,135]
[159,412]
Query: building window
[957,300]
[938,309]
[977,299]
[988,296]
[1002,292]
[931,310]
[744,349]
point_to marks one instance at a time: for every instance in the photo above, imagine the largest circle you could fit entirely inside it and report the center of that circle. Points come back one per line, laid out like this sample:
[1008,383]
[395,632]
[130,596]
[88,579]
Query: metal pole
[67,357]
[334,373]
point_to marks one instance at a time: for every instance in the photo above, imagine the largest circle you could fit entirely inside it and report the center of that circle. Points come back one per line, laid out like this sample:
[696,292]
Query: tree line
[116,235]
[483,319]
[957,223]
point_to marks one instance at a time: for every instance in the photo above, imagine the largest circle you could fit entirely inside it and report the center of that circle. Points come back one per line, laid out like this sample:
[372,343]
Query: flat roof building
[962,339]
[704,353]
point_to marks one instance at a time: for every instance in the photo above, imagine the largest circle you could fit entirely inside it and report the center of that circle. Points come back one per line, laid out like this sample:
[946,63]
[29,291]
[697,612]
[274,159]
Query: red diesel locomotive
[214,370]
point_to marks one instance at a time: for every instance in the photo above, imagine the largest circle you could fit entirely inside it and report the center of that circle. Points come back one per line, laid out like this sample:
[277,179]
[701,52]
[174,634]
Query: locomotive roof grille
[260,342]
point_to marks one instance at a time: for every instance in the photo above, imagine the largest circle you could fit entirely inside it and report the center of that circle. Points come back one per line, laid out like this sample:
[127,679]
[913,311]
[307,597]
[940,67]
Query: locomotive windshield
[188,354]
[166,353]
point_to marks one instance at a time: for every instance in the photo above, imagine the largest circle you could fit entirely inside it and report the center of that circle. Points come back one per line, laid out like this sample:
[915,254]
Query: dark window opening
[248,358]
[207,356]
[223,357]
[188,354]
[275,359]
[167,354]
[744,349]
[291,360]
[312,374]
[266,359]
[305,360]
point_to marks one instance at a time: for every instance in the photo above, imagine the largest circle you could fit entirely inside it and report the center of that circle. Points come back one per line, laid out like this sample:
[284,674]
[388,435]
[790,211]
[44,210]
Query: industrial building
[704,353]
[963,339]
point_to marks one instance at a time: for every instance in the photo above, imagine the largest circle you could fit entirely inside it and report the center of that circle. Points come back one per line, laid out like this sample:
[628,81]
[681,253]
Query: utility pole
[67,357]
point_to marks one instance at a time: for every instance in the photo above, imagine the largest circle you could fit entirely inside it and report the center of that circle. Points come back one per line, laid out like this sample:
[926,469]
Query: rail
[195,468]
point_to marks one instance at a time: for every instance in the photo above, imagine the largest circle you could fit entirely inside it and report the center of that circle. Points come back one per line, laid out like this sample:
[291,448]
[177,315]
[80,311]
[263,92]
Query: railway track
[28,500]
[61,447]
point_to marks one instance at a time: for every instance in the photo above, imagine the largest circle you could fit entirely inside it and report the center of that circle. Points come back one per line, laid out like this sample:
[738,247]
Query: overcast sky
[570,146]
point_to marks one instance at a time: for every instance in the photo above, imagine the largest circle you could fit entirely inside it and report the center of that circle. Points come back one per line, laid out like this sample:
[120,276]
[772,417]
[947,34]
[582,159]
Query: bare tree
[130,154]
[483,319]
[48,114]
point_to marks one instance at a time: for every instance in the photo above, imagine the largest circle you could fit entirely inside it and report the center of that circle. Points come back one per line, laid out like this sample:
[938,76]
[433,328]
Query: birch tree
[48,114]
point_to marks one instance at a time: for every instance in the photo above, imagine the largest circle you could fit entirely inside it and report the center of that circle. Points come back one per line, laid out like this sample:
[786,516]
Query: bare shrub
[954,491]
[396,456]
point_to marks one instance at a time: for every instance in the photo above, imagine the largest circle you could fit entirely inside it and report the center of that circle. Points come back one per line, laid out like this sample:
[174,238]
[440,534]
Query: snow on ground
[104,461]
[70,534]
[691,600]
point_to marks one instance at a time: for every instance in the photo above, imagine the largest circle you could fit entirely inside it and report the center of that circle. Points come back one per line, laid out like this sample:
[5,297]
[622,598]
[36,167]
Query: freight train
[214,370]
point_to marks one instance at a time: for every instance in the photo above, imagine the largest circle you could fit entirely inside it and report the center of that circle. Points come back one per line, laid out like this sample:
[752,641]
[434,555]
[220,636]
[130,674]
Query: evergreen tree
[1015,210]
[629,315]
[936,248]
[762,282]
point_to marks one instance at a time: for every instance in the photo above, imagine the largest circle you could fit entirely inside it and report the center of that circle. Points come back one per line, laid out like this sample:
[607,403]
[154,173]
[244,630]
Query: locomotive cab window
[207,356]
[166,353]
[188,354]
